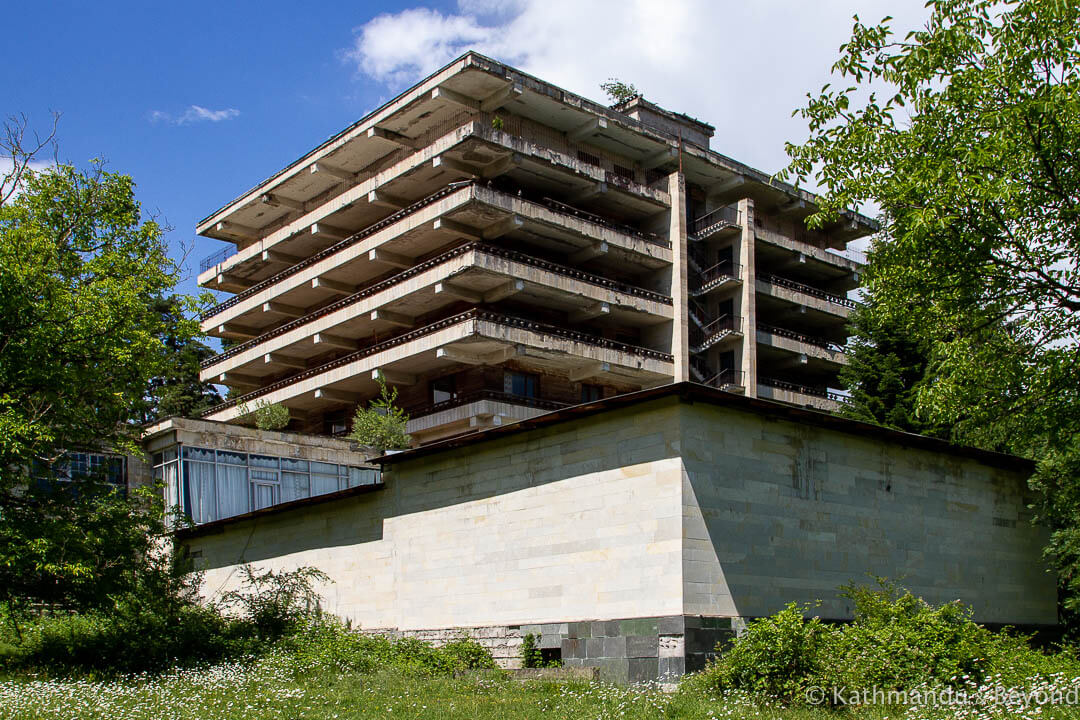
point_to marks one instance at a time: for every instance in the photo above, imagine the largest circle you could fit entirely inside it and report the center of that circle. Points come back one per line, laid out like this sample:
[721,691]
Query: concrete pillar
[680,339]
[747,304]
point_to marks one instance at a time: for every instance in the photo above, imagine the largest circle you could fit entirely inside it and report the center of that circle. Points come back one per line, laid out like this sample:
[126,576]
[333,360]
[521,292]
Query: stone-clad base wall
[628,650]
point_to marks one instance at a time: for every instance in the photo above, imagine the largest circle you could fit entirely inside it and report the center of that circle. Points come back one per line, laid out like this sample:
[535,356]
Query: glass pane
[232,490]
[265,461]
[199,497]
[322,484]
[363,476]
[232,458]
[159,458]
[324,468]
[264,475]
[170,454]
[297,465]
[194,453]
[294,486]
[265,495]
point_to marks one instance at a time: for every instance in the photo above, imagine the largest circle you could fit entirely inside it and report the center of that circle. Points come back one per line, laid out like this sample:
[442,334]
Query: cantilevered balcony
[473,151]
[719,223]
[793,393]
[473,411]
[781,351]
[806,264]
[467,212]
[803,295]
[475,337]
[476,272]
[705,279]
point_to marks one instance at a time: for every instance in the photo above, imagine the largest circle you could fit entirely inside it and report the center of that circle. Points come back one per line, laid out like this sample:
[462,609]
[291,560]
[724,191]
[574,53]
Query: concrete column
[680,339]
[747,305]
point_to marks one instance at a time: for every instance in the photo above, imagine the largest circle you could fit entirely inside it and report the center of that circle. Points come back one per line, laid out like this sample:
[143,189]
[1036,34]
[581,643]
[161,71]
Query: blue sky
[108,67]
[200,101]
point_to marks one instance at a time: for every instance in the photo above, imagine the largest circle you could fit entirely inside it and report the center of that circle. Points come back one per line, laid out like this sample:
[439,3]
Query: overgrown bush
[334,646]
[276,603]
[896,641]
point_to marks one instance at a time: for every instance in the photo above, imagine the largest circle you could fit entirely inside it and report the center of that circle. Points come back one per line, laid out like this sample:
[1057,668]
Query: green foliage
[81,281]
[80,545]
[965,134]
[177,390]
[896,641]
[530,653]
[777,656]
[619,92]
[381,425]
[886,370]
[276,603]
[271,416]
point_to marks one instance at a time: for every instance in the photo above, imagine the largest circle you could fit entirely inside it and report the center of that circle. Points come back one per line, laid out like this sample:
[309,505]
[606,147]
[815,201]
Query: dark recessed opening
[551,656]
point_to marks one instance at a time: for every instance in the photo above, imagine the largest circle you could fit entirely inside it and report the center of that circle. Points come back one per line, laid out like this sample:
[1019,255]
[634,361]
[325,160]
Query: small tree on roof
[618,91]
[381,425]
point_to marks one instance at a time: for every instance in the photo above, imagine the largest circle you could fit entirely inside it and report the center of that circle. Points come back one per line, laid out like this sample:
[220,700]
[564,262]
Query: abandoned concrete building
[497,248]
[618,350]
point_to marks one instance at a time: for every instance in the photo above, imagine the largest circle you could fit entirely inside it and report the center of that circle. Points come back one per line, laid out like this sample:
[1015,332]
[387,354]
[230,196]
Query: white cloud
[193,114]
[741,66]
[8,186]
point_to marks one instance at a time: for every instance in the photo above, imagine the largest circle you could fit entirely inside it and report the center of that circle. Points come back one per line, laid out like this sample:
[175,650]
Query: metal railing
[427,265]
[713,331]
[803,389]
[728,377]
[478,395]
[807,290]
[219,257]
[719,219]
[800,337]
[474,314]
[722,270]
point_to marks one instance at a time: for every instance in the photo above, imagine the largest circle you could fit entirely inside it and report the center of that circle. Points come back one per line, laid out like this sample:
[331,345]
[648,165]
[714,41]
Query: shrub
[381,425]
[776,655]
[896,641]
[276,603]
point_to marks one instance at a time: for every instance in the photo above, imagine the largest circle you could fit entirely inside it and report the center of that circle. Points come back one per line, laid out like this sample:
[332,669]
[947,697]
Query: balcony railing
[728,377]
[713,331]
[807,290]
[219,257]
[427,265]
[720,219]
[409,335]
[800,337]
[803,389]
[477,396]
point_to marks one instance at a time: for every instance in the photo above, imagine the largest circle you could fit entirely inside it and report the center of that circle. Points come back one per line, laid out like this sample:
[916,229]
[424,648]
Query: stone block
[604,628]
[670,646]
[573,648]
[614,670]
[639,626]
[638,646]
[642,669]
[672,625]
[594,647]
[550,640]
[669,667]
[579,629]
[615,647]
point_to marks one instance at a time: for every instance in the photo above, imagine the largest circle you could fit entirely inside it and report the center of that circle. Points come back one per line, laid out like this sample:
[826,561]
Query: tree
[81,276]
[86,325]
[885,371]
[977,186]
[178,391]
[619,92]
[966,133]
[381,425]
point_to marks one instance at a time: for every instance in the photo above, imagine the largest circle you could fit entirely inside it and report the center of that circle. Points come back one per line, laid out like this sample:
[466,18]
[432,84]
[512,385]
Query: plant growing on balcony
[266,415]
[618,91]
[381,425]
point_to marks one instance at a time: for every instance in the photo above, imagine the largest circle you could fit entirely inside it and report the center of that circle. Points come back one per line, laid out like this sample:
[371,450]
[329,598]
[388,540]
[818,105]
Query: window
[87,466]
[209,485]
[521,384]
[591,393]
[443,389]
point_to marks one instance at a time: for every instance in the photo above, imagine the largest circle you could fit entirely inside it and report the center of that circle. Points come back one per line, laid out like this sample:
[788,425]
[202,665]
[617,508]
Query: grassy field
[265,689]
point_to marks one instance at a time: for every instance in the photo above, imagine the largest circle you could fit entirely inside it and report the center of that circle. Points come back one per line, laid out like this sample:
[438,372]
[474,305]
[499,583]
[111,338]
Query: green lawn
[266,689]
